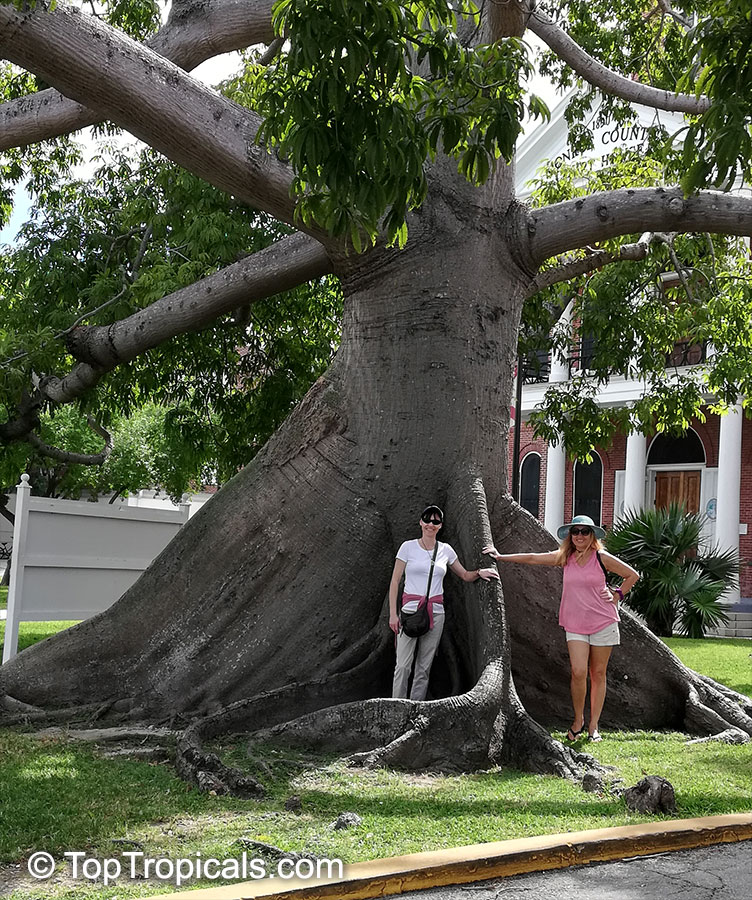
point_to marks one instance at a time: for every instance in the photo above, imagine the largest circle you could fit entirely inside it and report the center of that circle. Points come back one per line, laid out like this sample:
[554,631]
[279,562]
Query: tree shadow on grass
[57,796]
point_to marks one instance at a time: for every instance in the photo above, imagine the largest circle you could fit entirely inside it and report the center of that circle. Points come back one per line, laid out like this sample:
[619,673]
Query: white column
[729,486]
[553,516]
[20,528]
[555,472]
[634,476]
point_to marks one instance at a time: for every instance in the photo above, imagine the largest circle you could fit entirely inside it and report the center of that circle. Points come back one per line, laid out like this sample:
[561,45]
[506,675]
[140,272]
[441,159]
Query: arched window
[588,489]
[687,448]
[530,484]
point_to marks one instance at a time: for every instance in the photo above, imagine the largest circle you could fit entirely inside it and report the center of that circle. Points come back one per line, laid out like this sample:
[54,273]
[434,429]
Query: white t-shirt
[417,563]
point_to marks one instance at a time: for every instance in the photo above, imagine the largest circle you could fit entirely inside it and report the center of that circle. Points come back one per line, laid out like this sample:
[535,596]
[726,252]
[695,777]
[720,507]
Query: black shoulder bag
[418,623]
[609,578]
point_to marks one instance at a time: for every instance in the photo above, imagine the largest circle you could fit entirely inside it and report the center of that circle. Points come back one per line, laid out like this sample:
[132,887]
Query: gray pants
[427,645]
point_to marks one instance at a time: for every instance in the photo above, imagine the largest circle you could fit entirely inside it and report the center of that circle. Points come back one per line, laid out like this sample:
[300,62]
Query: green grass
[726,660]
[3,597]
[59,798]
[32,632]
[56,796]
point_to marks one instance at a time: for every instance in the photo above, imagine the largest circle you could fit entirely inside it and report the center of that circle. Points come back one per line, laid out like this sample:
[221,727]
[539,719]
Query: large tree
[387,142]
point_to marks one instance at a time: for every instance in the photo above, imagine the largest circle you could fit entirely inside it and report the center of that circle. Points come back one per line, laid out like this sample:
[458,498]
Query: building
[709,468]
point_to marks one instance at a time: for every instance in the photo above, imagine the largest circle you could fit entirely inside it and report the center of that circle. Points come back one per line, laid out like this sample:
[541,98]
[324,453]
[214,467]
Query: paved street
[721,872]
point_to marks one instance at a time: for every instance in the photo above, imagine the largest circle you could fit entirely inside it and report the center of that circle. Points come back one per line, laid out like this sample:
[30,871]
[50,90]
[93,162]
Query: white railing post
[20,528]
[185,507]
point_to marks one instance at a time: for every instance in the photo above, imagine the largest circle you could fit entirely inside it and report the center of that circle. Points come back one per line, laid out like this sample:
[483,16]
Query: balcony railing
[536,370]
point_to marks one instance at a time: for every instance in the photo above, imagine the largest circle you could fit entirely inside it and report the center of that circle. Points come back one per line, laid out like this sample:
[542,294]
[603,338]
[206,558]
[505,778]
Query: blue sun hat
[563,531]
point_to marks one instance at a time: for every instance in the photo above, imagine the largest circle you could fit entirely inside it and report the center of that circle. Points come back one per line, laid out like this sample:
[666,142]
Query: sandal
[572,735]
[595,737]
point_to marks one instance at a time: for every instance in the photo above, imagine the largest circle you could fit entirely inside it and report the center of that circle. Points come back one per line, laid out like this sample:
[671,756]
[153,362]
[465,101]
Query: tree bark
[193,33]
[268,611]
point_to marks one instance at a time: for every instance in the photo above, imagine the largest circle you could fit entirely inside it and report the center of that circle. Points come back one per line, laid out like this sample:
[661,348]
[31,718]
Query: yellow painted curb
[479,862]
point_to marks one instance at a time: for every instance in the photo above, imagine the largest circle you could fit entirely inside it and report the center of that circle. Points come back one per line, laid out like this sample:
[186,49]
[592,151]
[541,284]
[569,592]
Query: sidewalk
[481,862]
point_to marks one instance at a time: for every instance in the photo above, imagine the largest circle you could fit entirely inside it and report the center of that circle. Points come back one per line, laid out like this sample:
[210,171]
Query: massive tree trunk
[268,611]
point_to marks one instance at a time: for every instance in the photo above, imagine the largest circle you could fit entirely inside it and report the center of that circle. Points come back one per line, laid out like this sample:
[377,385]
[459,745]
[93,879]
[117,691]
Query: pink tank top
[586,604]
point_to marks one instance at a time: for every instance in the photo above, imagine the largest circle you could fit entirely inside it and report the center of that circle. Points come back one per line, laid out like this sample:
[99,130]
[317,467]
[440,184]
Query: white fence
[72,560]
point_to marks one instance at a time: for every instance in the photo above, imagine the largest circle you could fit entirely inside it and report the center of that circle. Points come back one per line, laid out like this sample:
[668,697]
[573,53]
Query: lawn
[725,659]
[58,797]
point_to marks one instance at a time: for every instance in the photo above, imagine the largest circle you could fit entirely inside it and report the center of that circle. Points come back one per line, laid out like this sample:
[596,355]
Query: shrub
[682,580]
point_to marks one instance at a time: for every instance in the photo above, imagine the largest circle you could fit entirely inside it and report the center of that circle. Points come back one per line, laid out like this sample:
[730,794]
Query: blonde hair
[567,548]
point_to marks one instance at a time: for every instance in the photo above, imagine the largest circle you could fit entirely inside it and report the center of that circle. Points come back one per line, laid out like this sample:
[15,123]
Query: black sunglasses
[580,530]
[432,521]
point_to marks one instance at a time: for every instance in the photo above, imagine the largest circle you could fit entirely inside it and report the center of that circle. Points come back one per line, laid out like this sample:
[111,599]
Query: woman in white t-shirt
[414,562]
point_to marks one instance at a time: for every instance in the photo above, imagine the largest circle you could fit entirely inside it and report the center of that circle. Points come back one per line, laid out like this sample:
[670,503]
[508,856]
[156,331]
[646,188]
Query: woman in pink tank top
[588,613]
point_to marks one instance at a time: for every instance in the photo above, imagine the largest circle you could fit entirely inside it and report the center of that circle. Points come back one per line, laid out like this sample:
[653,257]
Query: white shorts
[606,637]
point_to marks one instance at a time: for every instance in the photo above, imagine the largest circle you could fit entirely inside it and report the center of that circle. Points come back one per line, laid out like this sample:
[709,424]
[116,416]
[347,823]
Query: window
[686,354]
[588,487]
[687,448]
[587,350]
[530,484]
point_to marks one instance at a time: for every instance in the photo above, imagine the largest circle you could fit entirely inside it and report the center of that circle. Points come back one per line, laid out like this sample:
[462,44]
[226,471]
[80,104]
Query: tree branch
[606,79]
[595,260]
[4,511]
[573,224]
[152,98]
[67,456]
[286,264]
[192,34]
[271,51]
[668,10]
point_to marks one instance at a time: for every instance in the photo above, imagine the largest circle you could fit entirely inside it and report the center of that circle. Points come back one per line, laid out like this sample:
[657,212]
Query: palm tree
[682,581]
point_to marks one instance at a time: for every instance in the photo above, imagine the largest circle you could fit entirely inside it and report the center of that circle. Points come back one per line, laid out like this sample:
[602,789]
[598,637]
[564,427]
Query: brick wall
[614,458]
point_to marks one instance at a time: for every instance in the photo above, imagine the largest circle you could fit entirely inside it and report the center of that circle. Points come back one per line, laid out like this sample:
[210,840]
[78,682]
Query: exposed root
[211,775]
[442,735]
[740,699]
[23,714]
[395,753]
[529,747]
[262,711]
[710,711]
[107,735]
[729,736]
[653,794]
[17,707]
[448,735]
[328,703]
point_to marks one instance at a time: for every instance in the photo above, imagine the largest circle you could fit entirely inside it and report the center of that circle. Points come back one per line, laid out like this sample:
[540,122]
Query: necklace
[423,546]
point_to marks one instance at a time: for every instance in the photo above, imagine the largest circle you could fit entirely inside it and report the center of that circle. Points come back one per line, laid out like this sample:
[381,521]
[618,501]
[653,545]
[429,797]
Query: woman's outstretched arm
[474,574]
[530,559]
